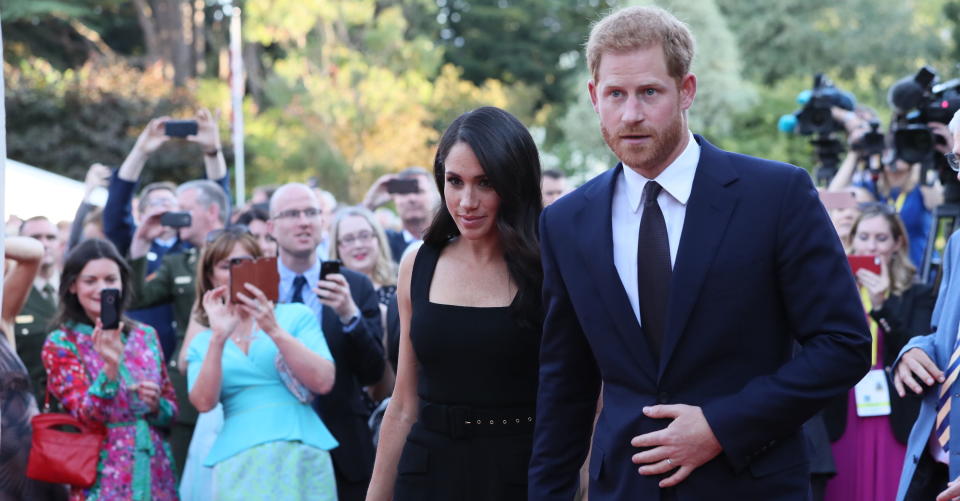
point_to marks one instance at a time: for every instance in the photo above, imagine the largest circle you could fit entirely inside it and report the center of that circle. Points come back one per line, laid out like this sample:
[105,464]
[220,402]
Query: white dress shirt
[677,182]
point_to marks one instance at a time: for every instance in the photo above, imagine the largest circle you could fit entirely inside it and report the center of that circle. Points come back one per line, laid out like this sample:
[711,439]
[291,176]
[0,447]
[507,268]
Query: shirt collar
[676,179]
[287,275]
[54,282]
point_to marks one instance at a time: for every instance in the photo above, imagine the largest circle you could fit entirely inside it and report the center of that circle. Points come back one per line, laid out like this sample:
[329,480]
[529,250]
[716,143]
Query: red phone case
[871,263]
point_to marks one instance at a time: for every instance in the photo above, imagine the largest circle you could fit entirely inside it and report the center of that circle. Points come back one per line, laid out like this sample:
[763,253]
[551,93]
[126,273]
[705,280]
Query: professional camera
[917,101]
[815,118]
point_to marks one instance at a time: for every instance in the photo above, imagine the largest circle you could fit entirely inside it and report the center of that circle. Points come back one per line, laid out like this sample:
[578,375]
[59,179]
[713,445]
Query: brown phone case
[261,272]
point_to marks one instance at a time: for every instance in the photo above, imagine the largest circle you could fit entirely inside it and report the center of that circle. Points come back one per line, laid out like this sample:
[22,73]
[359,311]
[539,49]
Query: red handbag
[60,456]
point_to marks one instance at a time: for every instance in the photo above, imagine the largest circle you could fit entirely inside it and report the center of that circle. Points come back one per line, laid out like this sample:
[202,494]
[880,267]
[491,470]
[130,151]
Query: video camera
[815,118]
[917,101]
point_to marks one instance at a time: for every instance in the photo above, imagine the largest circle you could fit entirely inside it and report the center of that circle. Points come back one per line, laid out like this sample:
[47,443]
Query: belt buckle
[457,421]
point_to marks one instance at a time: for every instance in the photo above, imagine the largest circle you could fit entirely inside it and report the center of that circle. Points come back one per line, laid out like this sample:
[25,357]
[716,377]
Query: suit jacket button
[663,397]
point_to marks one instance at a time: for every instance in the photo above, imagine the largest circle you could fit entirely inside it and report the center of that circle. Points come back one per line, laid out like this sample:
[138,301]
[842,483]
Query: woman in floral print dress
[114,379]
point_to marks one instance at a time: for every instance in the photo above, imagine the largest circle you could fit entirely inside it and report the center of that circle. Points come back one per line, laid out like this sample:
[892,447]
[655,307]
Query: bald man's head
[295,220]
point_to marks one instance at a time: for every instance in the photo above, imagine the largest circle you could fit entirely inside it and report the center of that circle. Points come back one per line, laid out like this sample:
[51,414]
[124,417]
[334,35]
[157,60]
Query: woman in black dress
[460,423]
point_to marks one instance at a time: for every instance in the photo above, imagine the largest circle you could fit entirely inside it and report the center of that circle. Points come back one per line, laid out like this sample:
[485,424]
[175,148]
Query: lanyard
[867,307]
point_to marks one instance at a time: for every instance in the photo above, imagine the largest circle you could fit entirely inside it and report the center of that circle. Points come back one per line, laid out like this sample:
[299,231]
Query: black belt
[460,421]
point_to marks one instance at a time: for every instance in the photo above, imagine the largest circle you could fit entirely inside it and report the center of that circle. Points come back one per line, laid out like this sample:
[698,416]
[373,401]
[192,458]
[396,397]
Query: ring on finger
[669,461]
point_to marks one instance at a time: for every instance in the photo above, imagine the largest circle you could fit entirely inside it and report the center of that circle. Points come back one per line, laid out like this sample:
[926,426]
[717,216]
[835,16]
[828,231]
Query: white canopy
[29,191]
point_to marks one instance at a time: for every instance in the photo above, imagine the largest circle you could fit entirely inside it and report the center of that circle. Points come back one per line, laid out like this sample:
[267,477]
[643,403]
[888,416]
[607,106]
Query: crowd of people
[690,324]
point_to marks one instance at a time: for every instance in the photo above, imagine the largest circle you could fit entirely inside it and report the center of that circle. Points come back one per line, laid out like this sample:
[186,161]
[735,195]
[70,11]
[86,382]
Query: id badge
[873,395]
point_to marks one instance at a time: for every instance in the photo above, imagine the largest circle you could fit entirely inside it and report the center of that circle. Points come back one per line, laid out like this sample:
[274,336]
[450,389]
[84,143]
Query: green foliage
[65,121]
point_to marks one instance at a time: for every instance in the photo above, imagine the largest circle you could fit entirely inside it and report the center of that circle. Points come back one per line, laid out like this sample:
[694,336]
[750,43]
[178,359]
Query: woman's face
[259,230]
[470,198]
[96,275]
[874,237]
[358,244]
[221,269]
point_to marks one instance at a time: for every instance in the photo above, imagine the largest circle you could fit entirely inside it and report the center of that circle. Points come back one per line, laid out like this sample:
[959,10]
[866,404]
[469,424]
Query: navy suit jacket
[759,267]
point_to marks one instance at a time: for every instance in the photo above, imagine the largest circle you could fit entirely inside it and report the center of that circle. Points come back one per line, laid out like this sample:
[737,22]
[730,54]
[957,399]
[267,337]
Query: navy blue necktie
[298,284]
[653,268]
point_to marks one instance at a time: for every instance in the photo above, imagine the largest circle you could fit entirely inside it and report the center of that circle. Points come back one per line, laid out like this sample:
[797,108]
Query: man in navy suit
[682,279]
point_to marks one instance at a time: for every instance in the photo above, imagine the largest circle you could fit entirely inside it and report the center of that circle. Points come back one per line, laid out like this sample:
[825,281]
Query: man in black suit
[415,207]
[346,305]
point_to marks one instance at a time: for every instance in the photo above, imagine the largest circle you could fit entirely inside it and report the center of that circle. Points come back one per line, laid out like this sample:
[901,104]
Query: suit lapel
[596,248]
[709,208]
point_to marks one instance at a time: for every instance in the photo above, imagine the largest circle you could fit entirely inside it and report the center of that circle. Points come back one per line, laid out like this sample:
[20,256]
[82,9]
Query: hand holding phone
[262,273]
[175,219]
[403,186]
[180,128]
[837,200]
[329,267]
[110,309]
[870,263]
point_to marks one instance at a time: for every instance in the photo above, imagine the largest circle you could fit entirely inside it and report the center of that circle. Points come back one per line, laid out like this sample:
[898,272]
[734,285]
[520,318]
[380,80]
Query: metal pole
[236,94]
[3,167]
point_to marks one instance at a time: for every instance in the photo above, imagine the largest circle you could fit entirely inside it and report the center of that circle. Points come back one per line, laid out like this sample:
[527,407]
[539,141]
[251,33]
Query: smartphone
[262,273]
[837,200]
[871,263]
[180,128]
[402,186]
[176,219]
[110,308]
[328,267]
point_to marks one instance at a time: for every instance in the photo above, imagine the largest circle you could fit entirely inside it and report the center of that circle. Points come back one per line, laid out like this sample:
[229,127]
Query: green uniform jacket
[30,329]
[173,282]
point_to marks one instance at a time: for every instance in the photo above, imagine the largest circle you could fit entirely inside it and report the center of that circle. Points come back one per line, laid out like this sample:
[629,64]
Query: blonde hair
[634,28]
[902,269]
[384,271]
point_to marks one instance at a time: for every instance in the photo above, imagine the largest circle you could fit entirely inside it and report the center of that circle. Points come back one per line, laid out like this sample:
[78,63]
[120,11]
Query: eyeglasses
[233,229]
[226,264]
[295,213]
[953,161]
[359,237]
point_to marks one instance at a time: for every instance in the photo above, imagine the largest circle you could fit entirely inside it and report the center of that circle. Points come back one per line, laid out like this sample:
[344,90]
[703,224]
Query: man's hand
[152,137]
[377,195]
[952,492]
[149,229]
[940,130]
[98,176]
[208,132]
[335,293]
[684,445]
[915,364]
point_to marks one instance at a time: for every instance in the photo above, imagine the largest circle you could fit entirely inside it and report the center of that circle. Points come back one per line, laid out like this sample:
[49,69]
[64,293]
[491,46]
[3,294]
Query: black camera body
[917,101]
[816,116]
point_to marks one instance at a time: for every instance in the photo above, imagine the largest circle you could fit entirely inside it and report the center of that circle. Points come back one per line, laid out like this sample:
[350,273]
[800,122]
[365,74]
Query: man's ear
[688,90]
[592,89]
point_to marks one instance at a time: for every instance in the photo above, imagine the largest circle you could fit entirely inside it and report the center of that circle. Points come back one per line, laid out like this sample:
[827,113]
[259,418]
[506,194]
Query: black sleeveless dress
[17,406]
[477,384]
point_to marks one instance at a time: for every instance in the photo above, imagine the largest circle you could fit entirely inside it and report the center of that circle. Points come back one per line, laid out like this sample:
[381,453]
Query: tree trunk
[149,28]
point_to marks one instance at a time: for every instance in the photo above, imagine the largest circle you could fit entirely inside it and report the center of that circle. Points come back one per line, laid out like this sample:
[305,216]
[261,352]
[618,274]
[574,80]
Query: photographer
[117,214]
[892,181]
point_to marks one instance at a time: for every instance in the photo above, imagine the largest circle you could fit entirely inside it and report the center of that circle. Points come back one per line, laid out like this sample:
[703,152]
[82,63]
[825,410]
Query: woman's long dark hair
[86,251]
[509,158]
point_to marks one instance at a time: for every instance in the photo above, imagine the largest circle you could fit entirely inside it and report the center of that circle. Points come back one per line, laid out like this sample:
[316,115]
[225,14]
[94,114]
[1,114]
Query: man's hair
[152,187]
[328,199]
[554,174]
[208,192]
[412,172]
[635,28]
[954,125]
[28,220]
